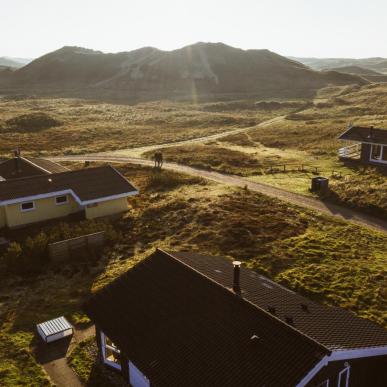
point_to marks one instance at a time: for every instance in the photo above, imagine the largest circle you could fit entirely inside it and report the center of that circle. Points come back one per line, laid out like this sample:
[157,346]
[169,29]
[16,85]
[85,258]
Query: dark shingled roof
[18,167]
[363,134]
[87,184]
[181,328]
[332,327]
[47,165]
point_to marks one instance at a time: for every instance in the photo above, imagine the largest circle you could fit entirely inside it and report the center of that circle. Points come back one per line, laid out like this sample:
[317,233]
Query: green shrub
[166,180]
[12,258]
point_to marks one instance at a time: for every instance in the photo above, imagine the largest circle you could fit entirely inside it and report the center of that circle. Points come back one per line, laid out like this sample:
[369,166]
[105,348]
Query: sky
[308,28]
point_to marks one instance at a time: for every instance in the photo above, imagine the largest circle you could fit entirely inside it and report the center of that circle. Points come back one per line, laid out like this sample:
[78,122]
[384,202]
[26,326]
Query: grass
[306,137]
[324,258]
[72,126]
[83,361]
[17,365]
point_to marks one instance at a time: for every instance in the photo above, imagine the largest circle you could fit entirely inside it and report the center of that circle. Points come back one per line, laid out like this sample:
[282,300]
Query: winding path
[328,208]
[137,152]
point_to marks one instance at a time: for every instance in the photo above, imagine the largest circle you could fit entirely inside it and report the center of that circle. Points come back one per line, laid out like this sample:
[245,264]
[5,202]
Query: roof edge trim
[65,192]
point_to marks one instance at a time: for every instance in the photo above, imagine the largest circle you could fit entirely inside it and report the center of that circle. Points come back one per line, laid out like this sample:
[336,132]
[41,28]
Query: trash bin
[319,184]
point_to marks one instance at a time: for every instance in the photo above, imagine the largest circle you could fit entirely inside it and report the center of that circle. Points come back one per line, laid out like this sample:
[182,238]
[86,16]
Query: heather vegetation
[69,126]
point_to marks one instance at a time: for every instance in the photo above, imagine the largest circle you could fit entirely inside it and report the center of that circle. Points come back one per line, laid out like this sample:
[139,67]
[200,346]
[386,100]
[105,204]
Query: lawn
[326,259]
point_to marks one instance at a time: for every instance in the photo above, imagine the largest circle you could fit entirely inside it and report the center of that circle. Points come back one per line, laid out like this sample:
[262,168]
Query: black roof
[18,167]
[182,328]
[364,134]
[87,184]
[333,327]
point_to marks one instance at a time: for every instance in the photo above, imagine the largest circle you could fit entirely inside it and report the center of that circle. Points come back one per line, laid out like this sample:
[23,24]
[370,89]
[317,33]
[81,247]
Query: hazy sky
[329,28]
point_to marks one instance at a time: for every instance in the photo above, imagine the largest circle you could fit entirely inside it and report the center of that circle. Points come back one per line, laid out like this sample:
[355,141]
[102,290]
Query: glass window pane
[375,152]
[384,155]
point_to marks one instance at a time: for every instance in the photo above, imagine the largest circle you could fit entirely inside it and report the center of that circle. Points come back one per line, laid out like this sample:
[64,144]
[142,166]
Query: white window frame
[27,209]
[325,383]
[346,372]
[383,148]
[61,196]
[106,361]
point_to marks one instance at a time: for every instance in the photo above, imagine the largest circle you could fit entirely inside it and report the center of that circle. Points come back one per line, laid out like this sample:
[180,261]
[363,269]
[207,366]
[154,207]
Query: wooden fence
[60,251]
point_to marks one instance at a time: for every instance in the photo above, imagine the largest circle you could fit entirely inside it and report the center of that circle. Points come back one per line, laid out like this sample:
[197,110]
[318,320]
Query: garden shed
[55,329]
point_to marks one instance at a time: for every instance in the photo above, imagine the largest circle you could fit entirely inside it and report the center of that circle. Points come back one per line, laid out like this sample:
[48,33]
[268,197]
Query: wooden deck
[350,152]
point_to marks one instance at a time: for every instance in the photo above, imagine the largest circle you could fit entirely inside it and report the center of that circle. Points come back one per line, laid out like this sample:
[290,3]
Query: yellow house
[96,192]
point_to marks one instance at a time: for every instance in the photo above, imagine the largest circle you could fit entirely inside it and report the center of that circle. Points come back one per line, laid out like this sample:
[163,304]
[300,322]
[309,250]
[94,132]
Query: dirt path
[137,152]
[294,198]
[53,358]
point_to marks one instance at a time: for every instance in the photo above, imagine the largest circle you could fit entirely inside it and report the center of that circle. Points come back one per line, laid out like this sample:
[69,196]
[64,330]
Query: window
[111,354]
[325,383]
[27,206]
[376,151]
[384,154]
[61,200]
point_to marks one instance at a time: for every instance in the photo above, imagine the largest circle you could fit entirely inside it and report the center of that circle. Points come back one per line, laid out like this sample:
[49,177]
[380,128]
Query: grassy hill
[355,70]
[202,70]
[13,62]
[376,64]
[366,73]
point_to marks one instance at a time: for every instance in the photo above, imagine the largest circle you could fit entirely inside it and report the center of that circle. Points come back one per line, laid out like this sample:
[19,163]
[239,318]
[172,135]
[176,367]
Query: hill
[205,70]
[355,70]
[13,62]
[375,64]
[368,74]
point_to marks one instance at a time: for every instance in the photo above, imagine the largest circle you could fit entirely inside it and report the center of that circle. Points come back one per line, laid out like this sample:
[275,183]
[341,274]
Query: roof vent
[305,307]
[236,282]
[289,320]
[271,309]
[254,338]
[371,132]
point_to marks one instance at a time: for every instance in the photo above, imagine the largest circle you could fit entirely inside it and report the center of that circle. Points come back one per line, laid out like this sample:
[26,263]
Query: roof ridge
[35,165]
[266,313]
[51,175]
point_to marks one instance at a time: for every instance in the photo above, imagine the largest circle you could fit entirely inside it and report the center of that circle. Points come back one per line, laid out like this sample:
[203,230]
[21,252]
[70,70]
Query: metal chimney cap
[237,263]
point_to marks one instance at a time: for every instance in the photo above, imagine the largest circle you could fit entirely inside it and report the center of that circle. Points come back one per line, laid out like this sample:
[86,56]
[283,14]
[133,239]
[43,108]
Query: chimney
[236,283]
[16,154]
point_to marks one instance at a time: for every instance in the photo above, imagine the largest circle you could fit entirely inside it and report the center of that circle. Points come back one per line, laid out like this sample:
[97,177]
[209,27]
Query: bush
[165,180]
[30,256]
[13,257]
[32,122]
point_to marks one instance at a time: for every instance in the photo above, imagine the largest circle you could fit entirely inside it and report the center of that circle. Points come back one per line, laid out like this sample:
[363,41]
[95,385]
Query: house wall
[45,209]
[365,153]
[3,218]
[367,371]
[109,207]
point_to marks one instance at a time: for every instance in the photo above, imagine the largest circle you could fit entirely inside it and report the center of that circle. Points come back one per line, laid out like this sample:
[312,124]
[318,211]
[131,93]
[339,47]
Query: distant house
[184,319]
[370,147]
[95,192]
